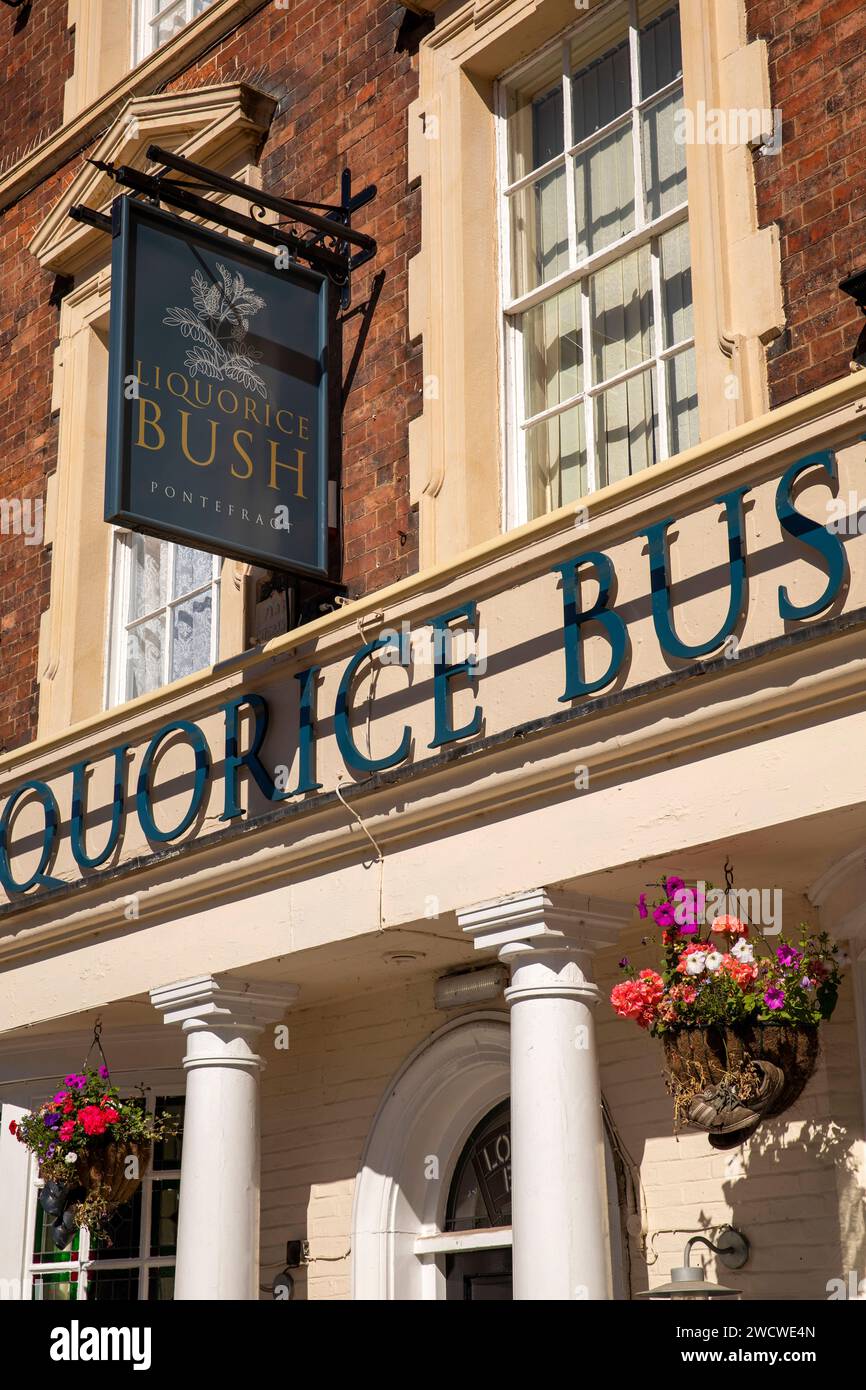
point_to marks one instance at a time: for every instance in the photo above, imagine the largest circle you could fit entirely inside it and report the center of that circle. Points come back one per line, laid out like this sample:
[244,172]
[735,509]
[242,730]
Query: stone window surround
[457,448]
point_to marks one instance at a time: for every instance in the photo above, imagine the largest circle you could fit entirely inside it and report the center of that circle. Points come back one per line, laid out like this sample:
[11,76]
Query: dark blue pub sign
[218,394]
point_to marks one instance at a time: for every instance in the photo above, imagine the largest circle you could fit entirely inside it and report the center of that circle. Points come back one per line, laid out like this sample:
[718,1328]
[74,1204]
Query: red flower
[93,1119]
[13,1126]
[110,1115]
[66,1131]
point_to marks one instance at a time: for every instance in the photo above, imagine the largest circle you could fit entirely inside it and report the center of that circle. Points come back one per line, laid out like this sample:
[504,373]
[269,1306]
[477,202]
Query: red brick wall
[36,58]
[815,188]
[343,94]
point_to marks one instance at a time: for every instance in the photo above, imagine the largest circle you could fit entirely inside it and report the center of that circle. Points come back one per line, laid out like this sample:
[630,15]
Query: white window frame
[146,16]
[579,272]
[118,607]
[82,1264]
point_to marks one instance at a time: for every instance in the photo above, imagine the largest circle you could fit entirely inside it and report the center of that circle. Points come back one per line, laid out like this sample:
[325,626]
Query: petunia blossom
[774,998]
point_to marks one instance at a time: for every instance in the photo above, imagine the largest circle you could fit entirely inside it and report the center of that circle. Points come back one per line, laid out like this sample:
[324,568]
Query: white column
[559,1198]
[218,1229]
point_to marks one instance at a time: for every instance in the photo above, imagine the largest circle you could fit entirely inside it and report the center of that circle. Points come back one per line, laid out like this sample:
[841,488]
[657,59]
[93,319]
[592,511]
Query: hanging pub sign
[218,394]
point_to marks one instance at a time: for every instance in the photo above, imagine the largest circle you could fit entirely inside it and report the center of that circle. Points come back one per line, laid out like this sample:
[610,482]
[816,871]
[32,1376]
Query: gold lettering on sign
[146,422]
[243,453]
[184,440]
[297,468]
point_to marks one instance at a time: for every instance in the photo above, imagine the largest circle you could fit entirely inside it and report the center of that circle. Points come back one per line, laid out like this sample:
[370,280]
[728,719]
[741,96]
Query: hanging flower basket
[92,1147]
[738,1016]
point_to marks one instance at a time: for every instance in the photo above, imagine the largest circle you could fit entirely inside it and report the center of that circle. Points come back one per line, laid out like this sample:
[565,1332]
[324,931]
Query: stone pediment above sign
[219,126]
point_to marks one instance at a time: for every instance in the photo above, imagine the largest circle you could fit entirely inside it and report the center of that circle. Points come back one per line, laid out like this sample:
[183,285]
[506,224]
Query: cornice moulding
[213,123]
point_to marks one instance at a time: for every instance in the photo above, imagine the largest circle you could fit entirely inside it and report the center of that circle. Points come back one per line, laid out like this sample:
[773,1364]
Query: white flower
[696,961]
[714,960]
[743,951]
[71,1158]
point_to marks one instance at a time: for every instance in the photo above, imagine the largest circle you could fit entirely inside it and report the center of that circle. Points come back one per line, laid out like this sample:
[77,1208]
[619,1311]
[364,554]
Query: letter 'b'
[573,621]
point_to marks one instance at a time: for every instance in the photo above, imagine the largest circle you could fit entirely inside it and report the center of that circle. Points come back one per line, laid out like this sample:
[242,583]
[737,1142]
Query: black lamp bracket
[732,1248]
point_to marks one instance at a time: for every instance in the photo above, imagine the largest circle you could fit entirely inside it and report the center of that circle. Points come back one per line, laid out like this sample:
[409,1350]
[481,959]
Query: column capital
[545,917]
[223,1001]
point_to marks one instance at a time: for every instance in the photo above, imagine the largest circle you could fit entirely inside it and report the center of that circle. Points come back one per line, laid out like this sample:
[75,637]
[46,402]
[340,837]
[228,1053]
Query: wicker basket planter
[102,1172]
[726,1080]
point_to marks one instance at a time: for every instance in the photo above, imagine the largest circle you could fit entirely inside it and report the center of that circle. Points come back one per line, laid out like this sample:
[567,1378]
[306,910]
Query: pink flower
[663,916]
[774,998]
[732,925]
[639,999]
[673,885]
[641,905]
[66,1131]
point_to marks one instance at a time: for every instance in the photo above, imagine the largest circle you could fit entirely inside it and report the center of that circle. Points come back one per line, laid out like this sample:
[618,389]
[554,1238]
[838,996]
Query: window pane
[44,1249]
[112,1286]
[55,1288]
[167,1153]
[601,91]
[539,224]
[625,428]
[174,17]
[534,123]
[676,278]
[682,402]
[621,315]
[163,1217]
[664,156]
[192,569]
[144,665]
[160,1285]
[191,636]
[604,191]
[556,461]
[123,1232]
[661,58]
[148,575]
[552,351]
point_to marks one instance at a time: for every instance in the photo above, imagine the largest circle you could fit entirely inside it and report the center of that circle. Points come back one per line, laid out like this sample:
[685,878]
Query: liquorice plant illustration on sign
[218,325]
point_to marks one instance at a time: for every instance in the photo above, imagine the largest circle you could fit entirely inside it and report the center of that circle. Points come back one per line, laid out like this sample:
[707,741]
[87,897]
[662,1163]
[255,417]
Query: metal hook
[729,874]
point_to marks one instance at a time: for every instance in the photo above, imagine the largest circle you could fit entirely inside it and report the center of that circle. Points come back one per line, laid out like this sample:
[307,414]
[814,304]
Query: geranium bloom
[93,1119]
[732,925]
[774,998]
[66,1130]
[639,999]
[110,1115]
[743,972]
[788,956]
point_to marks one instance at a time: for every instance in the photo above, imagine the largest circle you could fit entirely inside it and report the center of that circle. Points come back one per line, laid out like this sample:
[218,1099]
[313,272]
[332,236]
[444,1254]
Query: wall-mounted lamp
[855,286]
[687,1281]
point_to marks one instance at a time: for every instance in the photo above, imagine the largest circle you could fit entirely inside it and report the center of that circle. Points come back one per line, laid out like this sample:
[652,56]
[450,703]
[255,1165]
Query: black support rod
[293,211]
[168,192]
